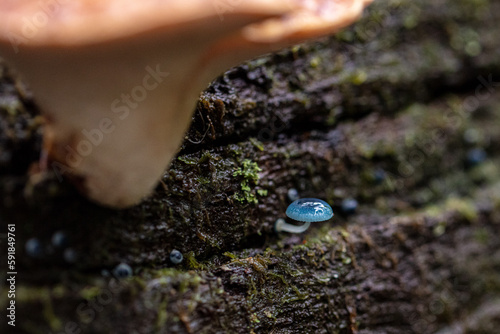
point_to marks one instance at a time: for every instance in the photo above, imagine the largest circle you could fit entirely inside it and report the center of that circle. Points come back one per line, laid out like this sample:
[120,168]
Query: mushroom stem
[114,120]
[282,226]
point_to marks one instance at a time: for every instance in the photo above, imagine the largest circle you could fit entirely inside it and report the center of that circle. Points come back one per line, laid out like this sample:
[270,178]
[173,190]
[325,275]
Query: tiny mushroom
[306,210]
[117,80]
[122,270]
[176,256]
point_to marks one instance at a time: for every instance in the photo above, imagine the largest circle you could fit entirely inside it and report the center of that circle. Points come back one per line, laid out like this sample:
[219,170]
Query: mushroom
[176,256]
[306,210]
[122,270]
[117,81]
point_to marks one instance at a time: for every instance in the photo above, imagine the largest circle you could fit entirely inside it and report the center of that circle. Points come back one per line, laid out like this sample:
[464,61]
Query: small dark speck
[378,176]
[5,157]
[34,248]
[59,240]
[475,157]
[70,255]
[349,206]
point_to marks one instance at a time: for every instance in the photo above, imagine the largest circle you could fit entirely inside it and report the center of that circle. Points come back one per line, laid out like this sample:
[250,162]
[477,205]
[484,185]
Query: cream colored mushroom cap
[314,18]
[71,22]
[81,56]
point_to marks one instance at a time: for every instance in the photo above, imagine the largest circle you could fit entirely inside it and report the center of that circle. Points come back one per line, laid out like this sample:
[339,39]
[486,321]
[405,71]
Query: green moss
[315,62]
[296,295]
[90,292]
[187,160]
[332,117]
[253,64]
[162,314]
[246,197]
[189,282]
[280,277]
[411,21]
[358,77]
[48,312]
[249,172]
[230,255]
[262,192]
[254,318]
[257,143]
[439,229]
[203,180]
[192,262]
[464,207]
[164,273]
[482,236]
[206,155]
[485,172]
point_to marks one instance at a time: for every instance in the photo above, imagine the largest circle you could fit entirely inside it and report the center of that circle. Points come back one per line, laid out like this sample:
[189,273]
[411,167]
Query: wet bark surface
[400,112]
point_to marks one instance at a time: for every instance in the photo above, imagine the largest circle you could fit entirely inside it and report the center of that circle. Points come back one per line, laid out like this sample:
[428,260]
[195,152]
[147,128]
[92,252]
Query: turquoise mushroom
[307,210]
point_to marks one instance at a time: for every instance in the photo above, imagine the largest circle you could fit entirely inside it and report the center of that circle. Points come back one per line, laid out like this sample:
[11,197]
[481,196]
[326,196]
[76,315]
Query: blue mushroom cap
[309,210]
[122,270]
[176,256]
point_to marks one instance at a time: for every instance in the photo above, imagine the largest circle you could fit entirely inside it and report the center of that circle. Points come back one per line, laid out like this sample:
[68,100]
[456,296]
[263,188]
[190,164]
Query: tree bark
[395,112]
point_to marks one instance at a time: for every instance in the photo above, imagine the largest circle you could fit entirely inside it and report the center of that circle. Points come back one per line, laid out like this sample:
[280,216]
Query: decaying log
[391,112]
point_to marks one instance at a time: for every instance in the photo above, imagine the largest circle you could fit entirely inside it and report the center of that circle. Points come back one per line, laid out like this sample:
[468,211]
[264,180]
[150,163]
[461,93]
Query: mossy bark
[409,90]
